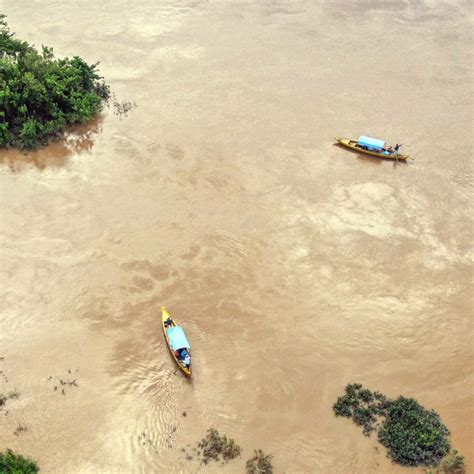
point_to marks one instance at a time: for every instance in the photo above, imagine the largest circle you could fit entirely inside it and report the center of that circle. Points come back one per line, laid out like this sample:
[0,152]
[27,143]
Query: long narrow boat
[177,342]
[356,146]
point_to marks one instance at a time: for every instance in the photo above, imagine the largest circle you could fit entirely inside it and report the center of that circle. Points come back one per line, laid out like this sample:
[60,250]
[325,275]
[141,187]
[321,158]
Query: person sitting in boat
[185,358]
[168,322]
[392,149]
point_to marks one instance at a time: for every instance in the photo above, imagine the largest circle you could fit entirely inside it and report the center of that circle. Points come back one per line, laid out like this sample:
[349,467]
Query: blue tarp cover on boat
[177,338]
[371,143]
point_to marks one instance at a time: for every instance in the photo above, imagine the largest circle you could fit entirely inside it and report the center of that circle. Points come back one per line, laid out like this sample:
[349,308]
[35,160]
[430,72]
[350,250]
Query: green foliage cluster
[214,446]
[217,447]
[261,463]
[363,406]
[412,435]
[453,463]
[11,463]
[40,95]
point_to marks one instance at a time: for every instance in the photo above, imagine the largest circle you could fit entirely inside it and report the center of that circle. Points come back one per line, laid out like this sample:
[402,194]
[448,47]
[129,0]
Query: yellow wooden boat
[177,342]
[355,145]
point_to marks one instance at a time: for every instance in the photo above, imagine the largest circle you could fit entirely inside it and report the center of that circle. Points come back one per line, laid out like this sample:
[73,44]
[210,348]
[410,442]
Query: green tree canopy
[40,95]
[11,463]
[413,435]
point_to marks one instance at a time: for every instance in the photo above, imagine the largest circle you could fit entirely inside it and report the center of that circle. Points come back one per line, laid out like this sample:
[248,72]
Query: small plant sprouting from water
[20,429]
[260,463]
[9,396]
[214,446]
[453,463]
[121,109]
[412,435]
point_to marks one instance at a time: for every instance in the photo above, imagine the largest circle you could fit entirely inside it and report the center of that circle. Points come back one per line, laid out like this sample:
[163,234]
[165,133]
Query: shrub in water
[454,463]
[11,463]
[412,435]
[260,463]
[40,95]
[214,446]
[361,405]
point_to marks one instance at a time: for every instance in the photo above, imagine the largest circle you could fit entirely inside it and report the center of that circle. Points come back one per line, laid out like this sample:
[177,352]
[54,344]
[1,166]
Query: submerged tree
[454,463]
[40,95]
[11,463]
[260,463]
[413,435]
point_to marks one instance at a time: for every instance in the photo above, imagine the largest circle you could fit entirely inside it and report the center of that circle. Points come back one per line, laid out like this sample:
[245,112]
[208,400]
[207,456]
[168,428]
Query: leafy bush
[40,95]
[412,435]
[11,463]
[214,446]
[362,406]
[260,463]
[454,463]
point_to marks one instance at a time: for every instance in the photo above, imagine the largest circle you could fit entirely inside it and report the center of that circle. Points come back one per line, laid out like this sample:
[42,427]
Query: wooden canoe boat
[353,145]
[176,340]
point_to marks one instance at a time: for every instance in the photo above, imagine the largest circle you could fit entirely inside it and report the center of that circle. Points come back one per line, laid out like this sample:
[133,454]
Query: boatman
[185,357]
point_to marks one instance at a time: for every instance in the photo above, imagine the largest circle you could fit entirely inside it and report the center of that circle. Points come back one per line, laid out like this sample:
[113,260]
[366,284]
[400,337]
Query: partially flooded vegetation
[413,435]
[12,463]
[215,447]
[260,463]
[219,448]
[40,95]
[8,396]
[453,464]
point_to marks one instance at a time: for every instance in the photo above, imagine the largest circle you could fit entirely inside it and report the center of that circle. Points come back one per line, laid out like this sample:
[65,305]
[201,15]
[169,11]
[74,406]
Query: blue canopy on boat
[177,337]
[371,143]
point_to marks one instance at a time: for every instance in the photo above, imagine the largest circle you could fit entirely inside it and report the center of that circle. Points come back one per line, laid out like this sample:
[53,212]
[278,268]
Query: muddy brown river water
[296,267]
